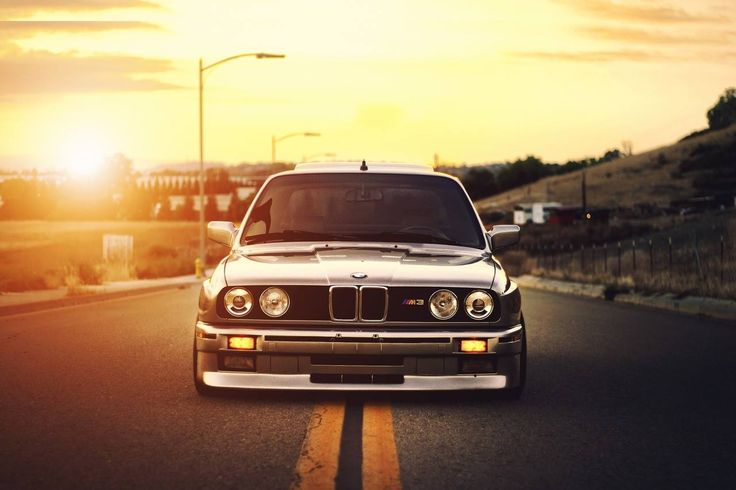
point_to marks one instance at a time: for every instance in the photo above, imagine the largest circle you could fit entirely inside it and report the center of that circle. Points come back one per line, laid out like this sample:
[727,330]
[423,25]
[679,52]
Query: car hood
[386,266]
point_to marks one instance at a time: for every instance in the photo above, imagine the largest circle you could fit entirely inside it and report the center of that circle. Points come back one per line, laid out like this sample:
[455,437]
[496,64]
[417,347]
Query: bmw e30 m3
[350,276]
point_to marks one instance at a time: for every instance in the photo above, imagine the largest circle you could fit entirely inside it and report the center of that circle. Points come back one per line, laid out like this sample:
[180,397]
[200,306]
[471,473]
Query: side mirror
[503,236]
[222,232]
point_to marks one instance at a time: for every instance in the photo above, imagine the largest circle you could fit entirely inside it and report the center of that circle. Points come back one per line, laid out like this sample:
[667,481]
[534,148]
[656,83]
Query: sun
[84,153]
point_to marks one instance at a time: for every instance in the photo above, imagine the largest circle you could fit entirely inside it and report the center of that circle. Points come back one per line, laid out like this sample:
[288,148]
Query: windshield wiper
[416,238]
[295,235]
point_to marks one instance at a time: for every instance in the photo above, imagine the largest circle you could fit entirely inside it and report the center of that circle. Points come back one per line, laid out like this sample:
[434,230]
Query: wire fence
[684,263]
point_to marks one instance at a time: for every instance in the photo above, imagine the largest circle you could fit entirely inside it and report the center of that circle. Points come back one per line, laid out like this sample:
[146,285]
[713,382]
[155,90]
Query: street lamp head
[312,134]
[269,55]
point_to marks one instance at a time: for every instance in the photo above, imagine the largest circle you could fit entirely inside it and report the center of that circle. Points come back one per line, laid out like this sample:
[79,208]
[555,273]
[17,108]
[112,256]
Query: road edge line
[71,301]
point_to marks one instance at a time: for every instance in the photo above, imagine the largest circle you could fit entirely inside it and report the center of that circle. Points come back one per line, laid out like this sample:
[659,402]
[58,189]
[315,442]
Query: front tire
[515,392]
[202,389]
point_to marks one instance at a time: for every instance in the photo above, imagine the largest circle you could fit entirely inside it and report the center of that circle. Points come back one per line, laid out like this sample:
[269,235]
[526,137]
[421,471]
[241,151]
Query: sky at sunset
[471,80]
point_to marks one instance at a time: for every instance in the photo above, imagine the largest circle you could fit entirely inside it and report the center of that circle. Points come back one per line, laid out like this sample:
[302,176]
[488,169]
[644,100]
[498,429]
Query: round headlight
[479,305]
[274,302]
[443,304]
[238,302]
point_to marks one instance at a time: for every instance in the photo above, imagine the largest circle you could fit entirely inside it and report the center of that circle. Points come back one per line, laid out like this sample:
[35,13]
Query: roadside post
[198,268]
[722,258]
[592,259]
[633,255]
[619,259]
[651,259]
[582,259]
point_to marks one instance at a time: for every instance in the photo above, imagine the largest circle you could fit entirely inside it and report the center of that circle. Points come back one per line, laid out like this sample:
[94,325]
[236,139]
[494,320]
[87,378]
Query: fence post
[592,259]
[722,258]
[651,259]
[619,259]
[582,259]
[605,258]
[538,256]
[633,255]
[697,256]
[544,256]
[669,246]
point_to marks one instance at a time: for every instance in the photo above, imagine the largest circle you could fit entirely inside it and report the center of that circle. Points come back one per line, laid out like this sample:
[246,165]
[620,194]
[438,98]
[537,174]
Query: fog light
[474,346]
[240,363]
[241,343]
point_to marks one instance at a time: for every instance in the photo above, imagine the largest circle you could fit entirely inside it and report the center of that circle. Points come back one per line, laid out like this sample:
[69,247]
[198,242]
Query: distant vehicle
[537,212]
[350,276]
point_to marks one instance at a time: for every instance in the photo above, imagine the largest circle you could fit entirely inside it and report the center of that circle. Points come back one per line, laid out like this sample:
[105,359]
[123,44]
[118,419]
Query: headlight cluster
[443,304]
[274,302]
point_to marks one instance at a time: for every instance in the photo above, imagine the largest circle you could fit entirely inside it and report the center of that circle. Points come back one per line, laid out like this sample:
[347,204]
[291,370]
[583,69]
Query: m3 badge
[413,302]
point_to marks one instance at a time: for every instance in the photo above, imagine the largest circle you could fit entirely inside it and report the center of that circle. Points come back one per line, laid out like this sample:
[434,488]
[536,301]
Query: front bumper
[306,359]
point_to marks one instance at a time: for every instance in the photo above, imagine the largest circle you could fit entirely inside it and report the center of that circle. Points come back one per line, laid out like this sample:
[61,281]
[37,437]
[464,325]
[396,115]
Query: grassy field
[645,178]
[43,255]
[701,260]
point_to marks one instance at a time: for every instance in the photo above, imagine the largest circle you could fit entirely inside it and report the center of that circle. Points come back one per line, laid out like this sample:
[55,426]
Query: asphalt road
[100,396]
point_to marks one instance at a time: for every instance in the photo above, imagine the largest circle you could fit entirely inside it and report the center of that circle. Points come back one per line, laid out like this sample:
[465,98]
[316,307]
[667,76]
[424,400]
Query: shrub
[161,251]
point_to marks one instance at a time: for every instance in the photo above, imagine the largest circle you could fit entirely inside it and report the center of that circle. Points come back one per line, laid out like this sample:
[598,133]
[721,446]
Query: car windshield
[364,207]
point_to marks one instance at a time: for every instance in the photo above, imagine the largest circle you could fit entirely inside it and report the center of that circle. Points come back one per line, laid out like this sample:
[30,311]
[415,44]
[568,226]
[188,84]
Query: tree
[480,182]
[210,208]
[522,172]
[724,112]
[186,211]
[164,210]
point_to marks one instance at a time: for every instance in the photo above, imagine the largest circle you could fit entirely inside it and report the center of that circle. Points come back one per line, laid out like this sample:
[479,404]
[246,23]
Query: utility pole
[202,68]
[584,195]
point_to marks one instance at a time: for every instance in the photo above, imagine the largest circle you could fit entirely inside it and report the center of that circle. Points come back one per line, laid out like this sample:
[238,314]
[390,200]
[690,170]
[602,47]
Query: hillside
[697,166]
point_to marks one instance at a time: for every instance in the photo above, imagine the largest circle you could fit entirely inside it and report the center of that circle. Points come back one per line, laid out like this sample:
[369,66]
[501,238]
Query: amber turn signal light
[241,343]
[473,346]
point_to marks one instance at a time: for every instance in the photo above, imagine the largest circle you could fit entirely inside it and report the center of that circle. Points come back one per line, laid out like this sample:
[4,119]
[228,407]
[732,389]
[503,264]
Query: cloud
[46,72]
[26,7]
[26,28]
[592,56]
[648,36]
[651,13]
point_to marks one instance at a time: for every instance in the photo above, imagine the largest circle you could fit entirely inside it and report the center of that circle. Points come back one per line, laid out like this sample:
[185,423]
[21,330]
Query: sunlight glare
[85,154]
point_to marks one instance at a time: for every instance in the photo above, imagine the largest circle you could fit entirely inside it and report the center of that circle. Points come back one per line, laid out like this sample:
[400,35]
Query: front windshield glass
[364,207]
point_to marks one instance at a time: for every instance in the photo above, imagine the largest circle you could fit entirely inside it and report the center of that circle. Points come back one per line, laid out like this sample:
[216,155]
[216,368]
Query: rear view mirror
[363,195]
[504,236]
[222,232]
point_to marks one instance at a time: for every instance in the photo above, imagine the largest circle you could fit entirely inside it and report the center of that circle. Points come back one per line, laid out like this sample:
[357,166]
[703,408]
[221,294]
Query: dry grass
[642,178]
[44,255]
[696,267]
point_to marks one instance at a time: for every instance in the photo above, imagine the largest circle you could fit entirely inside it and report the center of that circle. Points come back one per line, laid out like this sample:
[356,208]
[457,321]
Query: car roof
[357,167]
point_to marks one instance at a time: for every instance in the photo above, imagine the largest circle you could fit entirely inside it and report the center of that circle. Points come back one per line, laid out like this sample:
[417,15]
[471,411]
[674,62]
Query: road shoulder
[31,301]
[708,307]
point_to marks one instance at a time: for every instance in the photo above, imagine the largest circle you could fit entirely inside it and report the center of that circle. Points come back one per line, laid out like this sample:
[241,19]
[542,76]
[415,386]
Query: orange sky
[472,80]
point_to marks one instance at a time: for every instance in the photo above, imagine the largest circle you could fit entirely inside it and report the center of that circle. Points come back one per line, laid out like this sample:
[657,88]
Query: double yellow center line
[319,460]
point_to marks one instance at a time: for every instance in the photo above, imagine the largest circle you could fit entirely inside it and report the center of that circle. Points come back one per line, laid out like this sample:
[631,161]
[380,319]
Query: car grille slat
[343,303]
[373,303]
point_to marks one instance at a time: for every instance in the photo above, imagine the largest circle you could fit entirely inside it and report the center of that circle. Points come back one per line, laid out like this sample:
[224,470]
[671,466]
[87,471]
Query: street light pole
[202,69]
[202,237]
[275,140]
